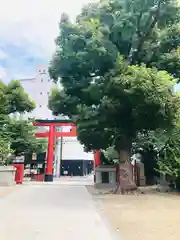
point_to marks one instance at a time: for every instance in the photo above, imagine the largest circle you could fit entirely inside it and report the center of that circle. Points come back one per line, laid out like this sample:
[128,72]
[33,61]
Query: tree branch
[138,32]
[142,38]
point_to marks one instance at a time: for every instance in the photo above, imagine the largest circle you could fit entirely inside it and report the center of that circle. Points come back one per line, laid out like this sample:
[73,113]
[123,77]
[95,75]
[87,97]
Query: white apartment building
[39,89]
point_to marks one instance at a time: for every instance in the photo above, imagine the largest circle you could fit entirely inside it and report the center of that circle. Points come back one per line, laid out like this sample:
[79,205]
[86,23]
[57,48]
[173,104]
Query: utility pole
[61,152]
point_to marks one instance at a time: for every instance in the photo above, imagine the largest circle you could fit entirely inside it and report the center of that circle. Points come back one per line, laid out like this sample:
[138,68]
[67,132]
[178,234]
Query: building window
[48,93]
[41,93]
[41,79]
[40,106]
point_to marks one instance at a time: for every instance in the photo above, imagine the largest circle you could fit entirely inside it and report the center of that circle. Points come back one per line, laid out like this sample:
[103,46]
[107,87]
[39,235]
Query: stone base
[7,175]
[126,176]
[104,185]
[142,182]
[48,178]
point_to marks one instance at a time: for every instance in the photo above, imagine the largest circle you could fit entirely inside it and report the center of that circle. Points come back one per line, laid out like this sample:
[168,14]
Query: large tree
[111,63]
[16,135]
[13,99]
[18,100]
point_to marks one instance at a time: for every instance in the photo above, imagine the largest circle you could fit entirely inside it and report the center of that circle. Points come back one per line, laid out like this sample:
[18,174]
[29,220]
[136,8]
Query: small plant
[169,161]
[5,150]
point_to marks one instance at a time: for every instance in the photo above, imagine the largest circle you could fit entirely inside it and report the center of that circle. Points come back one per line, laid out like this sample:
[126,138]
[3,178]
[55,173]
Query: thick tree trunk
[123,146]
[124,149]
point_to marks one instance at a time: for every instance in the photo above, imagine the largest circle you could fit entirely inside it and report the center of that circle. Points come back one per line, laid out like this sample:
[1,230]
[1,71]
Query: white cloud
[3,73]
[33,24]
[30,26]
[3,55]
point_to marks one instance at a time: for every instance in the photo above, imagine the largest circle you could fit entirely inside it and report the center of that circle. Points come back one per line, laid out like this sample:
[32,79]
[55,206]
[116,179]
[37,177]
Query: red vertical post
[97,158]
[97,162]
[50,155]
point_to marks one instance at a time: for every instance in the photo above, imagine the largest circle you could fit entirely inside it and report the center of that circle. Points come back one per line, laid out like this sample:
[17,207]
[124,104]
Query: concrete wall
[112,180]
[72,149]
[7,175]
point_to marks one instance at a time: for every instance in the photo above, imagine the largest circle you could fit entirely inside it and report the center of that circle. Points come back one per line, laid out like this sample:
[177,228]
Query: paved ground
[4,191]
[51,211]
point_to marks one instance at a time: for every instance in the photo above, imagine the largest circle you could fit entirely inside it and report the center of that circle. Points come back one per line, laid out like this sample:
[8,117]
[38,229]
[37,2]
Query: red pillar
[97,162]
[50,155]
[97,158]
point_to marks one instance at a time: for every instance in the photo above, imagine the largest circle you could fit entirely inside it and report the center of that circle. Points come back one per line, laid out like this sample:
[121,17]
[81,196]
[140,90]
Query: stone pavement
[51,211]
[4,191]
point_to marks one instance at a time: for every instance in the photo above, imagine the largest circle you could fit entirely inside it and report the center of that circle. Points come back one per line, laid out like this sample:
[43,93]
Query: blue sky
[27,32]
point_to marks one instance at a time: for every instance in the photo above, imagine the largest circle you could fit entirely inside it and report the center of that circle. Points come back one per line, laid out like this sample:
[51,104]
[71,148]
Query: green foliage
[23,138]
[169,160]
[13,99]
[18,99]
[3,99]
[159,151]
[149,144]
[169,155]
[16,136]
[4,150]
[111,154]
[170,62]
[105,160]
[111,65]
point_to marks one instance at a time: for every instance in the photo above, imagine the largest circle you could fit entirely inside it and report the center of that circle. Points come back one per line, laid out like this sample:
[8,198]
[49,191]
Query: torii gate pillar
[50,156]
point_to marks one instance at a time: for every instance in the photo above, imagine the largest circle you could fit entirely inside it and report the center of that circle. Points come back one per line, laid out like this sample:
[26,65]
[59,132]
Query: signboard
[58,129]
[40,165]
[34,156]
[19,159]
[63,128]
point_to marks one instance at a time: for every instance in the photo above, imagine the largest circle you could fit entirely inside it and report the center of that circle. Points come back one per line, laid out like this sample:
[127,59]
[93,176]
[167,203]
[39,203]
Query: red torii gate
[51,134]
